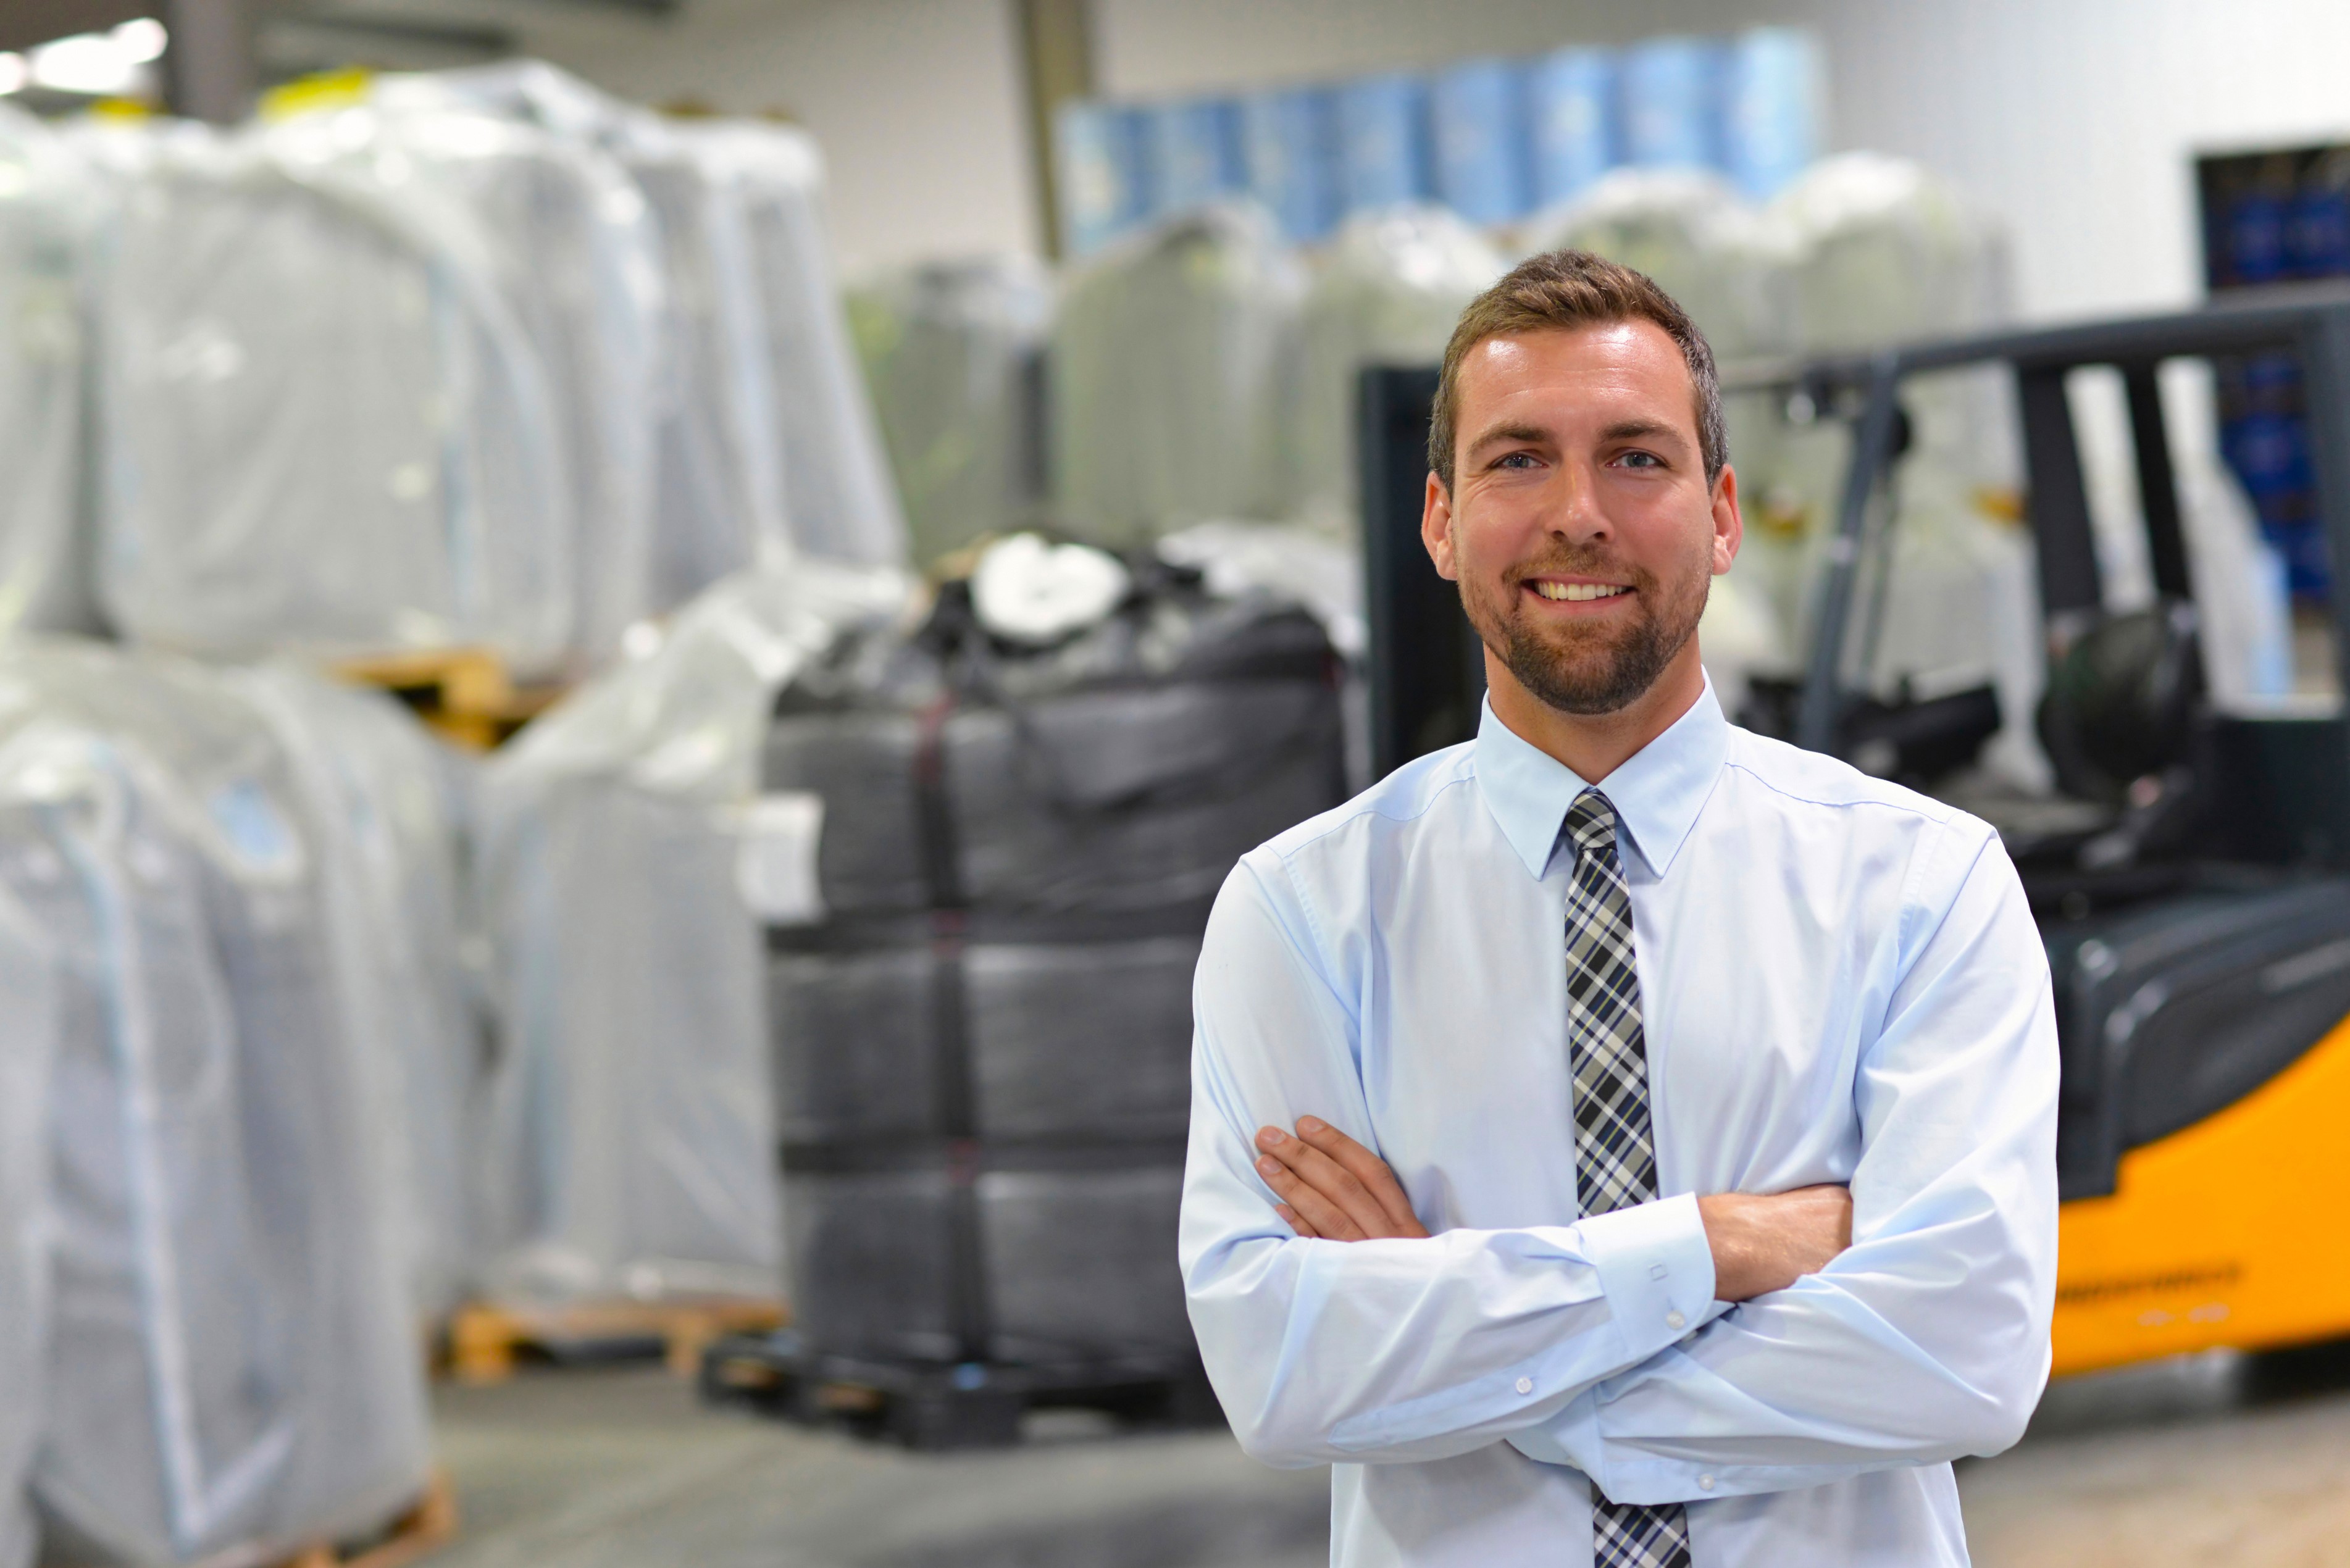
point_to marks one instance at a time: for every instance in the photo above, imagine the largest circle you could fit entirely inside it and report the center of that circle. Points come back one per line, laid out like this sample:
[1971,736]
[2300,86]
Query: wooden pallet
[931,1407]
[484,1337]
[466,693]
[416,1534]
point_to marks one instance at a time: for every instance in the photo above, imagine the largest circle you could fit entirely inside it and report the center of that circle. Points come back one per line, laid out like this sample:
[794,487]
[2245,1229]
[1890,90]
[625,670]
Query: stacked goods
[982,1003]
[837,487]
[1388,293]
[719,487]
[575,257]
[1170,378]
[953,351]
[385,798]
[232,1366]
[631,1101]
[551,365]
[28,1026]
[43,215]
[285,340]
[1887,254]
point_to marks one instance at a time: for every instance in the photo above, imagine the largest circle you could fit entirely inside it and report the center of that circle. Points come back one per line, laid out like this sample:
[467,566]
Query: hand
[1335,1188]
[1763,1244]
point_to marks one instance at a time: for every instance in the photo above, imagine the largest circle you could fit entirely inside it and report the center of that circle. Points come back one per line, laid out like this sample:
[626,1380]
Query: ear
[1728,528]
[1435,527]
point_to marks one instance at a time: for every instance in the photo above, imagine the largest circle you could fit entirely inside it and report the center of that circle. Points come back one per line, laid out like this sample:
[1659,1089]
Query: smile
[1575,592]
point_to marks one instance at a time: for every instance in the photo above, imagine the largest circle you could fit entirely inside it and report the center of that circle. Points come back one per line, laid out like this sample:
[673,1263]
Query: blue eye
[1641,460]
[1515,459]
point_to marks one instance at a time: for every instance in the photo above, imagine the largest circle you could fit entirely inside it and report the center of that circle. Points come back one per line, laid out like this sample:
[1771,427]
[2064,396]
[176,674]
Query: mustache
[1572,562]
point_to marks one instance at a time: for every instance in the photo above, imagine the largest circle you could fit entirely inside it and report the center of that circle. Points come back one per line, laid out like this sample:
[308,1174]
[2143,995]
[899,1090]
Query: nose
[1574,513]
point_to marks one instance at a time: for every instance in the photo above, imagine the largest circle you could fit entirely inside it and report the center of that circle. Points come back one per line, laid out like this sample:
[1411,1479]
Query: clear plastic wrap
[382,793]
[953,351]
[1887,253]
[575,255]
[1388,291]
[286,341]
[28,1038]
[633,1109]
[1172,379]
[837,487]
[45,213]
[718,495]
[232,1367]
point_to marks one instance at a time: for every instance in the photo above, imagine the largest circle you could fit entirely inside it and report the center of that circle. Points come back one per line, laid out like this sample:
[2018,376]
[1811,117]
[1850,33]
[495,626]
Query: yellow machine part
[2233,1232]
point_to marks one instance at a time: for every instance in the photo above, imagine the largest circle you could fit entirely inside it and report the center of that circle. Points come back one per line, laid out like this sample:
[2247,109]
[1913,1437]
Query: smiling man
[1623,1139]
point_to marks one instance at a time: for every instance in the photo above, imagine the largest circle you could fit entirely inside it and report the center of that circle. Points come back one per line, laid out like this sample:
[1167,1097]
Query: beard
[1588,670]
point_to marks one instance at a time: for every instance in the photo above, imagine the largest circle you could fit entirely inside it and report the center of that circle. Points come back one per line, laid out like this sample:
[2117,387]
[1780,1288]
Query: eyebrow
[1532,434]
[1638,429]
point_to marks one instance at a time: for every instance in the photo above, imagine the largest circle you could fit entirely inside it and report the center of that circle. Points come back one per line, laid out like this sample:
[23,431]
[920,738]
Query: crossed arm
[1335,1189]
[1740,1343]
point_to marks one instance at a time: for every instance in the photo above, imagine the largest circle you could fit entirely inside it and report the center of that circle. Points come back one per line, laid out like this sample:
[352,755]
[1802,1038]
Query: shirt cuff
[1655,1269]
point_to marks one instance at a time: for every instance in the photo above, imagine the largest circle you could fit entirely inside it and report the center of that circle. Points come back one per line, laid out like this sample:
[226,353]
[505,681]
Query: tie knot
[1591,824]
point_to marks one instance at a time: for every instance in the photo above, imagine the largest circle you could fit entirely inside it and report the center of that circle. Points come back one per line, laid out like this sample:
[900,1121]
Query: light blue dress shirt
[1840,981]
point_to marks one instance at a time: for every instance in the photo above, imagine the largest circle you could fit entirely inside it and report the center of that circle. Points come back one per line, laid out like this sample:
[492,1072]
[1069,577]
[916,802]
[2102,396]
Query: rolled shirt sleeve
[1404,1349]
[1928,1339]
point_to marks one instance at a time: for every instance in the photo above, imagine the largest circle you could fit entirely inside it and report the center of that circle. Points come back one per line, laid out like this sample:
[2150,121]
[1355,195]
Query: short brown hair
[1565,290]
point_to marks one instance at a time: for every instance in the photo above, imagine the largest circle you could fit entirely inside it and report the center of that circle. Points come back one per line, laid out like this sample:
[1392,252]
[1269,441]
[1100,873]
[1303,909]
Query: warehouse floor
[2211,1461]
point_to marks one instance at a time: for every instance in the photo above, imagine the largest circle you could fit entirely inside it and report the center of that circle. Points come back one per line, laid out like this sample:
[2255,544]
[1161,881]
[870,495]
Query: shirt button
[1705,1483]
[1674,1320]
[1525,1385]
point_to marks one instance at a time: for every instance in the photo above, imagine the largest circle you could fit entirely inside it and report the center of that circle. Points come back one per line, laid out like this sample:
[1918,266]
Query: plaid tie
[1615,1158]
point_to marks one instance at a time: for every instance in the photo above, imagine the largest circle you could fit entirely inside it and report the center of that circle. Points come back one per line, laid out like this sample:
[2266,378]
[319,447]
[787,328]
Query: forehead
[1609,370]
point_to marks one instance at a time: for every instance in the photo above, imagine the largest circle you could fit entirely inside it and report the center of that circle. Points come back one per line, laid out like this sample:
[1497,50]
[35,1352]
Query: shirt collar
[1657,793]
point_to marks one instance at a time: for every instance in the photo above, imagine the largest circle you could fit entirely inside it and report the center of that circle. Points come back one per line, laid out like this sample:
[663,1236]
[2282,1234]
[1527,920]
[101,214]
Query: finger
[1331,1180]
[1297,1224]
[1328,1218]
[1367,1169]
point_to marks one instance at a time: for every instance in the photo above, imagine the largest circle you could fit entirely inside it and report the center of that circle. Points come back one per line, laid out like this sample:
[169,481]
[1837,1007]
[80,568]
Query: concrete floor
[2211,1461]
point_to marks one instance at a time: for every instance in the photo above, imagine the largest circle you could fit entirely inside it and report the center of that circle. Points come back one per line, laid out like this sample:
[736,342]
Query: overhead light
[14,74]
[140,39]
[100,63]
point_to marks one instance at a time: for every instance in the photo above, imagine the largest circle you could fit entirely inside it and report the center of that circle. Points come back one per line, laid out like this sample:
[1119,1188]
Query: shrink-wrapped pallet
[29,1037]
[1170,378]
[837,492]
[718,495]
[981,1005]
[44,212]
[232,1368]
[1388,292]
[573,251]
[385,798]
[286,340]
[633,1111]
[953,353]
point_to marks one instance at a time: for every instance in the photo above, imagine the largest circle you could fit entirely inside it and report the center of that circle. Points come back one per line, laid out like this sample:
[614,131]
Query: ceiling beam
[25,23]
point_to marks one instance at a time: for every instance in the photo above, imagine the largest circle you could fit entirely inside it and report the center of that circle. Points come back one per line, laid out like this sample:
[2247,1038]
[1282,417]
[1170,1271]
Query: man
[1622,1138]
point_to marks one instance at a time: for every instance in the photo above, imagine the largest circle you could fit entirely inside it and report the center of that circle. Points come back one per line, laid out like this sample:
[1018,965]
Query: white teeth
[1579,590]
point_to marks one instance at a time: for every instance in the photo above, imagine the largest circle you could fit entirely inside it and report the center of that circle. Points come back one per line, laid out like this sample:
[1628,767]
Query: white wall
[2071,119]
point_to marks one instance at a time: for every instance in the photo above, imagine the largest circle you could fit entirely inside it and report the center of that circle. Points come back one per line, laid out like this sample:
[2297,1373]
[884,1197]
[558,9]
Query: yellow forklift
[2189,876]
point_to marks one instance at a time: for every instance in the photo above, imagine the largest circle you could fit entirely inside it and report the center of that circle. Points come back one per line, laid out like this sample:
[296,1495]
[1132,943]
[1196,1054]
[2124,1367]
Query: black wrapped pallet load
[983,1049]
